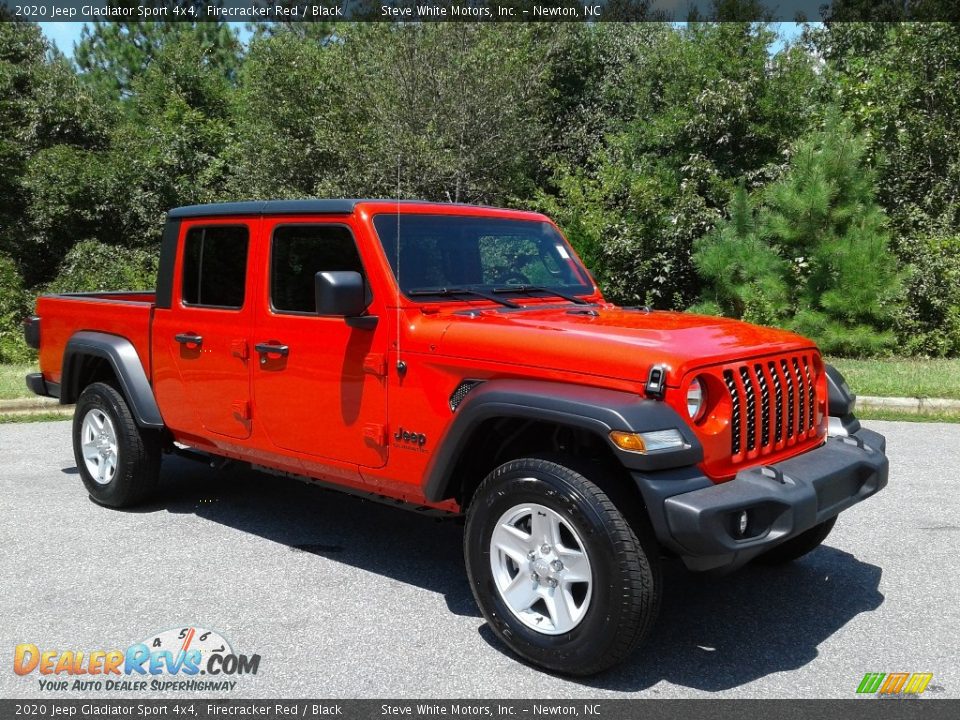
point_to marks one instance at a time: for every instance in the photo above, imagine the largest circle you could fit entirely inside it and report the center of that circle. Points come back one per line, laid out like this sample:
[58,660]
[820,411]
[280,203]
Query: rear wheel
[558,572]
[119,462]
[799,546]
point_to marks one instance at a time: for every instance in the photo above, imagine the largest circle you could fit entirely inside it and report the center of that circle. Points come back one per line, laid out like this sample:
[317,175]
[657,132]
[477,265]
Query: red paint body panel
[330,407]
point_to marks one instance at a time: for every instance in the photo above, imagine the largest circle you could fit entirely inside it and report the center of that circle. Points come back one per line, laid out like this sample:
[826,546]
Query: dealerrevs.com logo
[182,659]
[898,683]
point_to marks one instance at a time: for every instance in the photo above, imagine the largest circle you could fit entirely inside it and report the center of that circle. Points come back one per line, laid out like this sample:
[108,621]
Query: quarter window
[298,253]
[215,266]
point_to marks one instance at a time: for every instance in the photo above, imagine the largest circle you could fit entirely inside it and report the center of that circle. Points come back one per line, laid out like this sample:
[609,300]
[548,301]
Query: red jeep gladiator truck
[461,359]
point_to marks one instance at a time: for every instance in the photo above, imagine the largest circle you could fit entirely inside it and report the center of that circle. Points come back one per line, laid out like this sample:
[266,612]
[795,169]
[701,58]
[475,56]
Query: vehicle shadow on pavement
[713,633]
[419,550]
[717,633]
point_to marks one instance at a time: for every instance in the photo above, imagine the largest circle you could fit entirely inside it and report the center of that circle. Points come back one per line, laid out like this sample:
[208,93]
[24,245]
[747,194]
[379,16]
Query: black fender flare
[594,409]
[123,358]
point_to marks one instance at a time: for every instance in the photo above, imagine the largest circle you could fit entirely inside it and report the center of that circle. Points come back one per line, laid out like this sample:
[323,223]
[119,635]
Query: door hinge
[375,364]
[241,410]
[240,349]
[375,433]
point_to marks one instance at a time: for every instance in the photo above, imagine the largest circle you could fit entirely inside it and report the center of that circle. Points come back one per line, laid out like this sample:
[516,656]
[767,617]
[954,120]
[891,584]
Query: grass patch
[30,418]
[898,415]
[902,377]
[12,383]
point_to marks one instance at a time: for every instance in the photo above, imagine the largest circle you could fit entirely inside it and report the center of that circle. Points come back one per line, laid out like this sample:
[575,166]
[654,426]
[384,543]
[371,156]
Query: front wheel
[119,462]
[559,574]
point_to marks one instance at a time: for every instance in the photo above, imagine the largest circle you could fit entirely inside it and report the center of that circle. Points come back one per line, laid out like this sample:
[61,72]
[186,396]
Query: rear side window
[298,253]
[215,266]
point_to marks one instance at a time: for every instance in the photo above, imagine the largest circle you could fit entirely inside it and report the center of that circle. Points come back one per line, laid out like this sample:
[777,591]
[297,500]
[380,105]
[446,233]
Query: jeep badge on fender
[582,441]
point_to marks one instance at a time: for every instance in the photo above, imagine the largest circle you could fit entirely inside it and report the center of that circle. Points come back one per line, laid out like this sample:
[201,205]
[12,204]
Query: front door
[205,333]
[319,384]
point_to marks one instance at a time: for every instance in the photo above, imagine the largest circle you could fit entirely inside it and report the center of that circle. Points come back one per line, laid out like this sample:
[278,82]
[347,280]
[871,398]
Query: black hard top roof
[282,207]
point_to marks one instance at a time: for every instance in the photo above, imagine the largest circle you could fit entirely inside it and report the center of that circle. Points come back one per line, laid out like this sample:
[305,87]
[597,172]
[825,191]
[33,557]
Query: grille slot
[734,412]
[777,401]
[772,404]
[764,405]
[791,415]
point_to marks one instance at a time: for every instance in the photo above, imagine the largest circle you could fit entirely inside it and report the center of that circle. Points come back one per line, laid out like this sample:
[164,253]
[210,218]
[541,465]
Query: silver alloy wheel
[541,568]
[98,440]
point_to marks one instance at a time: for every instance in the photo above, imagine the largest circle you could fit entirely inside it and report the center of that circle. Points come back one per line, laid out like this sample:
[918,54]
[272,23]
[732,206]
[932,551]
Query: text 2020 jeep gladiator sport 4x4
[461,359]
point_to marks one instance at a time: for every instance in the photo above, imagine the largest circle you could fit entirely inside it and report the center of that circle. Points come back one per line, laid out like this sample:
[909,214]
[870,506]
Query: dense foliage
[814,187]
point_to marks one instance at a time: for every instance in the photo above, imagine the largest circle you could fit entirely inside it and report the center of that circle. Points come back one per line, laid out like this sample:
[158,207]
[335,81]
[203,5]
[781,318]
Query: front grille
[772,404]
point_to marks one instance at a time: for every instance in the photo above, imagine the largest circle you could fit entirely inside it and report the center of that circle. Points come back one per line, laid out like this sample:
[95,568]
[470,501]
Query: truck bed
[125,313]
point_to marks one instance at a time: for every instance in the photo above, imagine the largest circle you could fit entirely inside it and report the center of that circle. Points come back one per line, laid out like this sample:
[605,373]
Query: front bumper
[697,519]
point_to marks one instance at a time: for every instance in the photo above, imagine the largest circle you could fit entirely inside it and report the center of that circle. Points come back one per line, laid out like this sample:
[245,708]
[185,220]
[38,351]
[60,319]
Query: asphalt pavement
[346,598]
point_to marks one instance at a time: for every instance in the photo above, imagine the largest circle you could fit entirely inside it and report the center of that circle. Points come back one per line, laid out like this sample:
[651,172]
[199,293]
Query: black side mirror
[340,293]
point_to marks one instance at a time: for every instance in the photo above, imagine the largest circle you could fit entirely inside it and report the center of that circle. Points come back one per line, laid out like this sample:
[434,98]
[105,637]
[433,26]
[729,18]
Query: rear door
[205,334]
[319,384]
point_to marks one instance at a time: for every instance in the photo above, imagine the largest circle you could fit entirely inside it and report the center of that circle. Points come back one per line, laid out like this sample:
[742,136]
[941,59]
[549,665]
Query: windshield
[448,252]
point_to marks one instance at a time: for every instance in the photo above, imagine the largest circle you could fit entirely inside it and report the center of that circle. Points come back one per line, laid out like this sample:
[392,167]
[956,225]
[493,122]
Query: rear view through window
[215,266]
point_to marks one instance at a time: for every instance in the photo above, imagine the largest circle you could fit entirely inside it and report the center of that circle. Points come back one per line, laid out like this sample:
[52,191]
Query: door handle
[272,349]
[188,339]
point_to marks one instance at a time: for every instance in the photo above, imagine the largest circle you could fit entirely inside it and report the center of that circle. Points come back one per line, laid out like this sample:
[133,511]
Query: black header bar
[481,10]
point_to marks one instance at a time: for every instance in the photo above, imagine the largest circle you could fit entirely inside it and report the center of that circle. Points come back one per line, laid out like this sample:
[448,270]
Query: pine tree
[746,275]
[813,255]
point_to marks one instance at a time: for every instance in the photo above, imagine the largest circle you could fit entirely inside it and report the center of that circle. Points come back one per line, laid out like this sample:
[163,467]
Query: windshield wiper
[544,289]
[454,291]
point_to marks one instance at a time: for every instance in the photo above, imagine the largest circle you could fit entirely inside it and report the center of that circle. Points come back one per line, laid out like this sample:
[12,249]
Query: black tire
[799,546]
[625,593]
[138,451]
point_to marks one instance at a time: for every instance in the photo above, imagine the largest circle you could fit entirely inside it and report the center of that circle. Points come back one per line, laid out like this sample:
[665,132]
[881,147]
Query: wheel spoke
[540,524]
[96,420]
[108,432]
[521,593]
[102,470]
[110,462]
[90,450]
[513,541]
[575,566]
[557,606]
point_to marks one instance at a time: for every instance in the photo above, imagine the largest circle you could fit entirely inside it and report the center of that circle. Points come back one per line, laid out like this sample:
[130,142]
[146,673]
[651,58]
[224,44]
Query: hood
[609,341]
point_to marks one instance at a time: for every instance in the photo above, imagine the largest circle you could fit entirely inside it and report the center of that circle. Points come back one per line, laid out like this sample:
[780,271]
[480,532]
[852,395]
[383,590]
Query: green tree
[14,307]
[899,83]
[820,245]
[461,108]
[673,123]
[92,266]
[113,54]
[42,106]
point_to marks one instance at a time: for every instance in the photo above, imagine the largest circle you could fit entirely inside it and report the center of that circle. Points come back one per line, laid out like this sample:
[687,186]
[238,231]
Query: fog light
[742,521]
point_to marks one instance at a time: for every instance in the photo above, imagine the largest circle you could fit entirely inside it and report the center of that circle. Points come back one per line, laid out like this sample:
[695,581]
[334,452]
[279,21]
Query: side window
[298,253]
[215,266]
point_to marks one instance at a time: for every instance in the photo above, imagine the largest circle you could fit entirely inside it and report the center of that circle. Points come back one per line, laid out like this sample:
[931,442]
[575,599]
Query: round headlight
[695,399]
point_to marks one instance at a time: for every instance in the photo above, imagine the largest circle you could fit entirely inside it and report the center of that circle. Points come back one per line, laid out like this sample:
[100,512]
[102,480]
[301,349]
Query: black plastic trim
[841,401]
[594,409]
[168,256]
[307,206]
[124,360]
[31,332]
[38,386]
[267,207]
[691,515]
